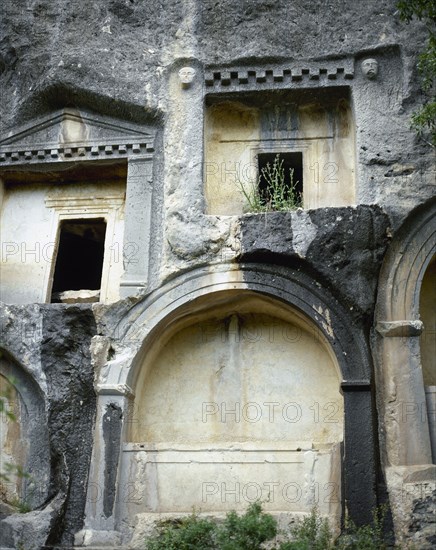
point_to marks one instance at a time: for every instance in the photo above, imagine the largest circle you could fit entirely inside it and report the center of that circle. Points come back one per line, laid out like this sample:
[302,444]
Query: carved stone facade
[164,347]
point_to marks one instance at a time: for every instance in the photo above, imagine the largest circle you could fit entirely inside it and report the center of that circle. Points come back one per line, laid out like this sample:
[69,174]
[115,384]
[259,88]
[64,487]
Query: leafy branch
[424,119]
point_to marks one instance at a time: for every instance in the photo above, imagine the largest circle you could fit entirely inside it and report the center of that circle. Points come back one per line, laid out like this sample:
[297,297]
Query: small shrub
[250,530]
[246,532]
[279,195]
[312,533]
[191,533]
[368,537]
[21,505]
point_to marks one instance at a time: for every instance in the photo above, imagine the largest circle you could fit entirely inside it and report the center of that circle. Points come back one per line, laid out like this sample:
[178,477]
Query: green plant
[21,505]
[369,537]
[253,528]
[246,532]
[191,533]
[424,120]
[312,533]
[277,194]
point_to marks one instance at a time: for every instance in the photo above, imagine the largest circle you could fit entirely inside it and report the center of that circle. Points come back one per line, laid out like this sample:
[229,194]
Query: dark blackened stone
[66,361]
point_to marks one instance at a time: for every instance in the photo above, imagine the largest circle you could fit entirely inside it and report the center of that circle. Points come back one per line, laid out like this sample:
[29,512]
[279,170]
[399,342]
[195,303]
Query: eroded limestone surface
[142,116]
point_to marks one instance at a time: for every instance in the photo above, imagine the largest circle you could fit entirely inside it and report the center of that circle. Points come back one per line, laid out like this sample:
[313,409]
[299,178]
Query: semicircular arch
[179,298]
[28,433]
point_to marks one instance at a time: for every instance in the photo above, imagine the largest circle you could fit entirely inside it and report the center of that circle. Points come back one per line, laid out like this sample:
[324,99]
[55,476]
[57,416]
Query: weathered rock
[423,521]
[342,247]
[32,529]
[121,61]
[66,362]
[53,343]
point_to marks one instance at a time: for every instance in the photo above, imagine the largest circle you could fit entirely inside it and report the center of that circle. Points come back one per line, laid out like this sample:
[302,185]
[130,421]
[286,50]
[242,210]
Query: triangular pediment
[74,128]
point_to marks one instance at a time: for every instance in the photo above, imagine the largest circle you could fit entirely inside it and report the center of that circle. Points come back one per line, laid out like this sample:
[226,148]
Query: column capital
[403,328]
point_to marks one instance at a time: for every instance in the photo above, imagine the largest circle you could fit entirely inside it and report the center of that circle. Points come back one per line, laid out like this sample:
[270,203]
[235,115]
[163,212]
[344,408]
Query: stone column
[137,226]
[405,413]
[430,396]
[186,229]
[405,434]
[100,527]
[359,460]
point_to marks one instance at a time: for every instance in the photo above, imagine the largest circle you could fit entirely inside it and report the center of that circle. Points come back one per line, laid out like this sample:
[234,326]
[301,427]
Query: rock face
[423,519]
[140,129]
[342,246]
[53,344]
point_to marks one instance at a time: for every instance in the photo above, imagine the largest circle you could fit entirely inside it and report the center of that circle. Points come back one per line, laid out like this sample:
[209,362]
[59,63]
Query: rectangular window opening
[79,262]
[281,179]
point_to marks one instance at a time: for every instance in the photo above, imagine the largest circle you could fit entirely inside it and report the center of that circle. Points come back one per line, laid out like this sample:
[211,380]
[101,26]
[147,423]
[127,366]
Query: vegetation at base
[424,120]
[184,534]
[370,537]
[252,529]
[21,505]
[246,532]
[312,533]
[278,196]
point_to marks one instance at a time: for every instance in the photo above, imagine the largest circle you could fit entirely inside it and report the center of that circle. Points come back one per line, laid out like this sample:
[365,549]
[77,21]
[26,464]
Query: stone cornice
[78,152]
[70,134]
[311,73]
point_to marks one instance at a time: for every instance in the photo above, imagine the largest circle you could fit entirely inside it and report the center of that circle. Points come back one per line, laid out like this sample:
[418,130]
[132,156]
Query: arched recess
[405,441]
[400,385]
[186,301]
[238,400]
[24,438]
[427,309]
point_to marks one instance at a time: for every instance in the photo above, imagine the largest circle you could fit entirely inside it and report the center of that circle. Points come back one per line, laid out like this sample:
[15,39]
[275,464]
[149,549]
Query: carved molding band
[70,134]
[74,153]
[278,77]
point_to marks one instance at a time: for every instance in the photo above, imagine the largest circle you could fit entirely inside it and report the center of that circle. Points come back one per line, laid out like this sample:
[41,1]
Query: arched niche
[239,401]
[24,438]
[427,310]
[256,349]
[400,382]
[404,414]
[116,495]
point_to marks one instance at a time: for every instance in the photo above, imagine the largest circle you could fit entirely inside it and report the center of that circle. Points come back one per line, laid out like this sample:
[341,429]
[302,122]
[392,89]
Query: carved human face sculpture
[370,68]
[186,75]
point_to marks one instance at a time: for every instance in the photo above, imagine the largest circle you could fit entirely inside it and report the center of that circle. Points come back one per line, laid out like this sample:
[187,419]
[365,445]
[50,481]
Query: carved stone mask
[370,68]
[186,75]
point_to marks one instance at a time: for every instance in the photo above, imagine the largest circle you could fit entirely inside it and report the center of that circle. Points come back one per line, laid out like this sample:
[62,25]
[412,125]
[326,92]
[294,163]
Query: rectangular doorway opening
[281,177]
[79,262]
